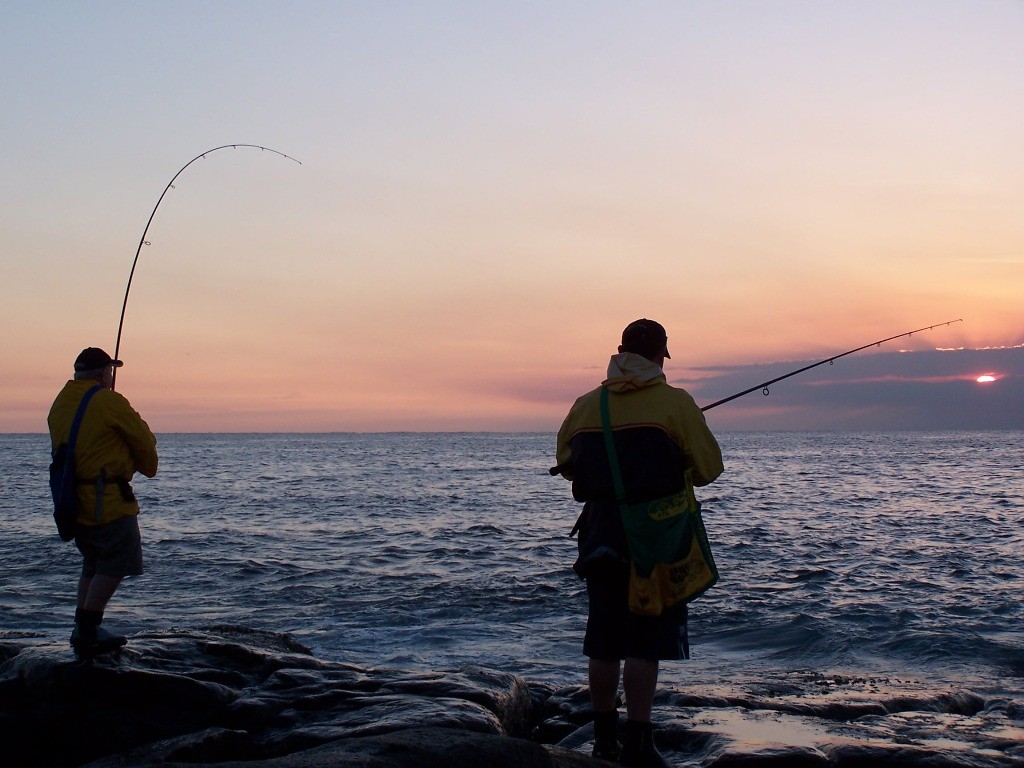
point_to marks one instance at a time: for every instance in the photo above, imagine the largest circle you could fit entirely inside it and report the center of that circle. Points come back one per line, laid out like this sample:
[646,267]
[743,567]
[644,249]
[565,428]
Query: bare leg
[604,684]
[604,690]
[639,682]
[83,591]
[94,593]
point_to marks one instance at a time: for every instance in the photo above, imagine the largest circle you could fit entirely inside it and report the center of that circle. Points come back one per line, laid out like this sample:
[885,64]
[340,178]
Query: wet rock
[227,692]
[783,757]
[231,696]
[408,748]
[796,721]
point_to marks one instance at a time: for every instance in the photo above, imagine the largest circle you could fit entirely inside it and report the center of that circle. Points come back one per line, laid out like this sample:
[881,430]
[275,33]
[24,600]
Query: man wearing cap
[663,447]
[113,443]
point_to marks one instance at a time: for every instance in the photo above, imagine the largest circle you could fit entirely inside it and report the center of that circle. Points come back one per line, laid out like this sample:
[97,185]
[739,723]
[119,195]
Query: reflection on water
[837,551]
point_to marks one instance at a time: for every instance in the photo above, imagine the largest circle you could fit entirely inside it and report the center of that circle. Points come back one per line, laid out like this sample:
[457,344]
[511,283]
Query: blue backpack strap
[73,437]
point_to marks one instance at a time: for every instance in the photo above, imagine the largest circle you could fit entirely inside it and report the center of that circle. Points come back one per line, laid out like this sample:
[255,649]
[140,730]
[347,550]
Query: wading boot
[638,750]
[88,638]
[606,746]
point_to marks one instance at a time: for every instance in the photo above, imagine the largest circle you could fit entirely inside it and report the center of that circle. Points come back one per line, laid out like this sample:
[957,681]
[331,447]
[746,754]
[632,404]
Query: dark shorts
[613,633]
[113,549]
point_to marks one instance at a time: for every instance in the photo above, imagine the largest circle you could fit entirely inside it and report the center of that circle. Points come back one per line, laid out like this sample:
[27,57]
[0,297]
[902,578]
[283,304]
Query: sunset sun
[985,378]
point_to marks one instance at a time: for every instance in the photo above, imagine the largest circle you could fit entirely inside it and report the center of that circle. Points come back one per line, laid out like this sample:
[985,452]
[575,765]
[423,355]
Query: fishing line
[763,386]
[143,241]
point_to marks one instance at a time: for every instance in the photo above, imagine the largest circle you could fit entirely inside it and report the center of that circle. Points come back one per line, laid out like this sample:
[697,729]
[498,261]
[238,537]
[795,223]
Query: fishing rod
[764,385]
[143,241]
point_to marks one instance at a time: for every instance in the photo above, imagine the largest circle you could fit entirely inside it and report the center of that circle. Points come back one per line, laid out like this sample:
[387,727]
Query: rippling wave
[893,551]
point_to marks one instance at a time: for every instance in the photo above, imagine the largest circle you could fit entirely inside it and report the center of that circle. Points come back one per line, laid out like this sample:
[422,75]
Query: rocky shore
[232,696]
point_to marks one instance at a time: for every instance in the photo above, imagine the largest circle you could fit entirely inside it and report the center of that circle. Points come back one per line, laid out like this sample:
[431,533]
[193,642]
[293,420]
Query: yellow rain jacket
[664,447]
[645,401]
[113,444]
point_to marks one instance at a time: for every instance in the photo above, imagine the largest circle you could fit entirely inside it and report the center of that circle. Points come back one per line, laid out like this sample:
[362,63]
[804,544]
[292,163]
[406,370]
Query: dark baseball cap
[645,337]
[94,358]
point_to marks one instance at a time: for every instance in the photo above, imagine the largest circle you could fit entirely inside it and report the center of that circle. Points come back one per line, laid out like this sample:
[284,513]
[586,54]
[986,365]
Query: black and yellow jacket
[113,444]
[663,443]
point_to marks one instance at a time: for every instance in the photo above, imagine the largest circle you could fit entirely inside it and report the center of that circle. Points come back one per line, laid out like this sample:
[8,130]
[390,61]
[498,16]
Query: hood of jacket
[628,371]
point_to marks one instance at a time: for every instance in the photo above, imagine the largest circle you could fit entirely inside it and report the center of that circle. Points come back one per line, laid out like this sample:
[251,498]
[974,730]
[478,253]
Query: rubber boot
[606,745]
[89,638]
[84,633]
[638,750]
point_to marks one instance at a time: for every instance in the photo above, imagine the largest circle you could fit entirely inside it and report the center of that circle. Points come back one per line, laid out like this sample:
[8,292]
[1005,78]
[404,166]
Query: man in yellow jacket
[113,444]
[663,448]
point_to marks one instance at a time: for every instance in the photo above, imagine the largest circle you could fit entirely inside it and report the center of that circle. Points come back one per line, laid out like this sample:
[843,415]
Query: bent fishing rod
[143,241]
[763,386]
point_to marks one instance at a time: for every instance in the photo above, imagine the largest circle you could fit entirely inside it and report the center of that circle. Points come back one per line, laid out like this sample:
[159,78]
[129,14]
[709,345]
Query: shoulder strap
[73,438]
[609,444]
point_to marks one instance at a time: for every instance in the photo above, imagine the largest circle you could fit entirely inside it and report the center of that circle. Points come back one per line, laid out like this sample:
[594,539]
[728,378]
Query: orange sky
[489,195]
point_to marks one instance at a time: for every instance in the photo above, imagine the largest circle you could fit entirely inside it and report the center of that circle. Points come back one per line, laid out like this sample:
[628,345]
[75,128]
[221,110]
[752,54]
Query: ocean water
[888,554]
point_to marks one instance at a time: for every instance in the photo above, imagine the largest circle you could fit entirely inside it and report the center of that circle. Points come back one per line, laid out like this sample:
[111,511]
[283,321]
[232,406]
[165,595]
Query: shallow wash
[228,694]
